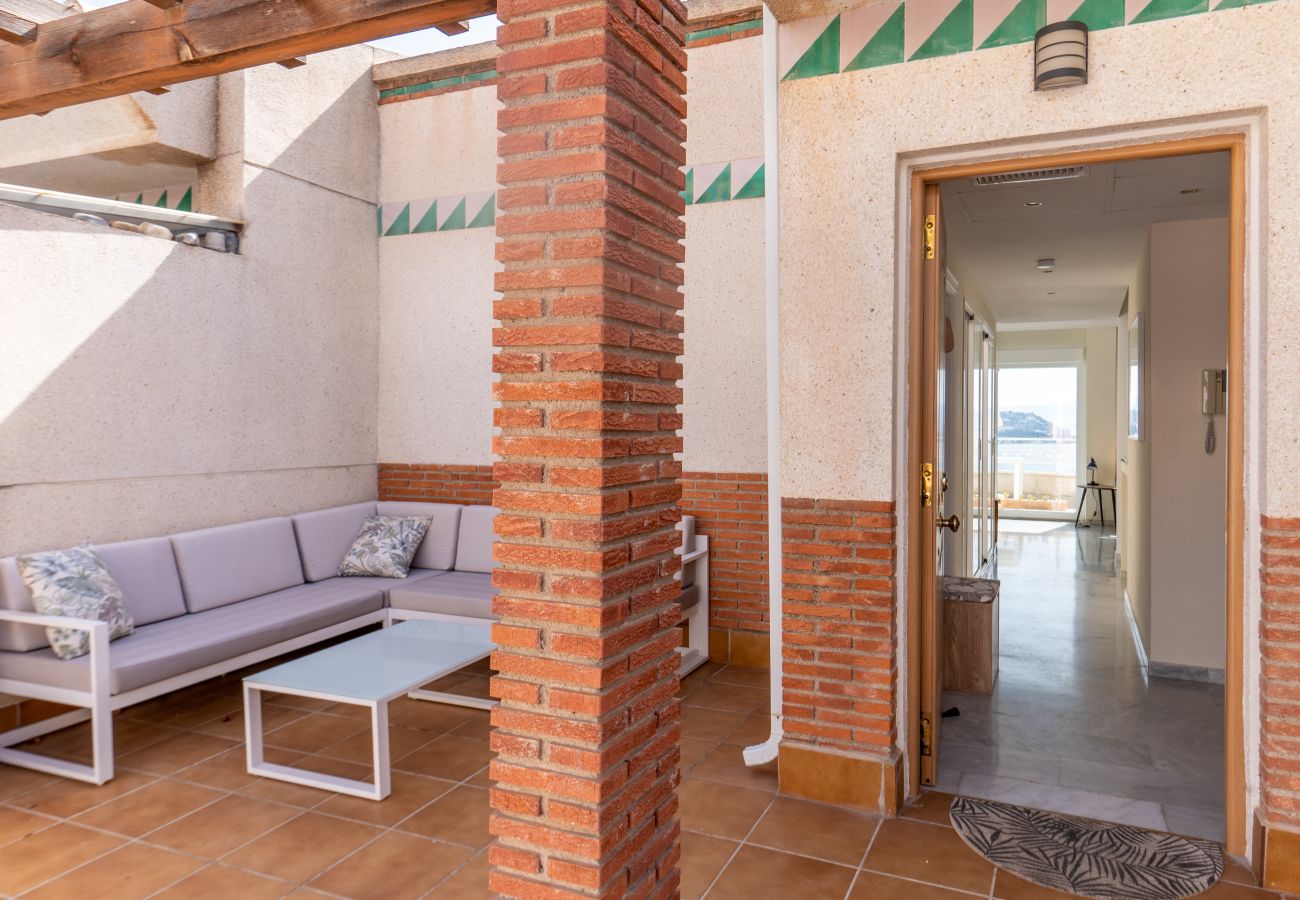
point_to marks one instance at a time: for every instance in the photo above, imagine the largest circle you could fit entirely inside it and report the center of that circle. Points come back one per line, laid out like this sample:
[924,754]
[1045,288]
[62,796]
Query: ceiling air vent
[1030,176]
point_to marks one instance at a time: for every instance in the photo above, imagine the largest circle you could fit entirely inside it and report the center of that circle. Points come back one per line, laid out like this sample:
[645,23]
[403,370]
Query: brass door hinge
[926,734]
[929,237]
[927,484]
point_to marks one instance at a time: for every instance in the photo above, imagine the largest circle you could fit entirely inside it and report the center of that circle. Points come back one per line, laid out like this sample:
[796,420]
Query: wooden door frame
[1235,143]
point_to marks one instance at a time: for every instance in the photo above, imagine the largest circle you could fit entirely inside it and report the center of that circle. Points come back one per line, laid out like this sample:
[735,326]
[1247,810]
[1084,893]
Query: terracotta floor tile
[460,817]
[720,809]
[129,736]
[753,730]
[282,792]
[65,798]
[1007,886]
[469,882]
[709,724]
[703,857]
[231,726]
[756,872]
[313,733]
[196,711]
[1237,872]
[227,771]
[1227,890]
[175,753]
[150,807]
[215,830]
[295,702]
[874,886]
[727,763]
[728,698]
[694,750]
[218,882]
[427,716]
[393,867]
[16,782]
[131,872]
[49,853]
[410,793]
[359,748]
[450,757]
[913,849]
[816,829]
[479,726]
[743,675]
[932,807]
[16,825]
[301,848]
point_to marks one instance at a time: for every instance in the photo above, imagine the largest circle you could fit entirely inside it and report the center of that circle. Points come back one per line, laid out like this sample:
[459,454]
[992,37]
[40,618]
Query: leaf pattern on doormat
[1084,856]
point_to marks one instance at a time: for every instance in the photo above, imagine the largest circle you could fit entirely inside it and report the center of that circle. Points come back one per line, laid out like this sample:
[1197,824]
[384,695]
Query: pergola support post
[586,733]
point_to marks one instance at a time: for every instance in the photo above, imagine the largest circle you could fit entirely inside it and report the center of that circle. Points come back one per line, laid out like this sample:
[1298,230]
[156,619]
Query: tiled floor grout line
[739,846]
[862,861]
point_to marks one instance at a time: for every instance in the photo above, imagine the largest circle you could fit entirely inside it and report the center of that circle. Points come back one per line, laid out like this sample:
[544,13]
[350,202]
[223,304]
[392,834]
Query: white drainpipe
[765,752]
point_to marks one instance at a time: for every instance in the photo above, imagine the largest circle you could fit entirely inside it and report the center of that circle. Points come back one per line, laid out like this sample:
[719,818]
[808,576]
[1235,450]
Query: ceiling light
[1047,265]
[1033,203]
[1061,55]
[1190,191]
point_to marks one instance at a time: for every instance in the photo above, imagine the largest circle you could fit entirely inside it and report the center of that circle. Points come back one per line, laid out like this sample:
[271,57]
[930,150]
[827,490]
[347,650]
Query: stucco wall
[149,386]
[842,136]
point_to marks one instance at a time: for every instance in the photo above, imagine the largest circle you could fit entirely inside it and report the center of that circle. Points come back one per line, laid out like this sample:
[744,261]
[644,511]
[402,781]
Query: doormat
[1084,856]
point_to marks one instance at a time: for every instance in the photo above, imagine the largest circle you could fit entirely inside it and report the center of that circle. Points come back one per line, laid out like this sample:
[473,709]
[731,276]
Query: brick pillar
[586,733]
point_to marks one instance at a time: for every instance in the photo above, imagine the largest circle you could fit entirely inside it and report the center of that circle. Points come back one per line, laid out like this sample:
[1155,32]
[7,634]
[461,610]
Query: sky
[412,44]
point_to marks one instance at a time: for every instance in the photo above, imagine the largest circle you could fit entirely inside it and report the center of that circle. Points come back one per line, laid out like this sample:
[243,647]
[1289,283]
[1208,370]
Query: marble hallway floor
[184,819]
[1073,724]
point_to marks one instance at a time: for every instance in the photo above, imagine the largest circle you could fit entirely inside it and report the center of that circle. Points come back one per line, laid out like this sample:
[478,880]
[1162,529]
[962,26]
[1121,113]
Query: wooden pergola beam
[136,46]
[14,29]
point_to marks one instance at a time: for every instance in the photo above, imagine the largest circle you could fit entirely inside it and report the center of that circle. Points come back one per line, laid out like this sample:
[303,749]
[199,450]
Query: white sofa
[209,602]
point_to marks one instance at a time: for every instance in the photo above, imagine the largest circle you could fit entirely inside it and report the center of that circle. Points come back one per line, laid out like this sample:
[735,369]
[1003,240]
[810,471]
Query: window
[1038,439]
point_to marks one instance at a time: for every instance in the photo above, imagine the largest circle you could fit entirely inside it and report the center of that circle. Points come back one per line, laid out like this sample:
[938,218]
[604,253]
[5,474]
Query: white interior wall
[1188,333]
[150,387]
[1137,499]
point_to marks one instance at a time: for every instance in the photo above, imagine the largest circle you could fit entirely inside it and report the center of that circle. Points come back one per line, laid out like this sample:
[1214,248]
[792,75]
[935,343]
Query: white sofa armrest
[98,630]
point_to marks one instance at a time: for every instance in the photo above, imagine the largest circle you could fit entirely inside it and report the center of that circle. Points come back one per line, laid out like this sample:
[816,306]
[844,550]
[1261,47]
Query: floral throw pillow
[75,583]
[385,546]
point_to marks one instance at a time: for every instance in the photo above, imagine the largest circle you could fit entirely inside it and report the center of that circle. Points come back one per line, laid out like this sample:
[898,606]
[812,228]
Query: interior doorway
[1040,286]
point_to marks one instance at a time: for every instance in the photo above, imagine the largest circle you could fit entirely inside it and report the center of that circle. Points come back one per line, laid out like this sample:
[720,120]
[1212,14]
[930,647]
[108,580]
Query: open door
[930,500]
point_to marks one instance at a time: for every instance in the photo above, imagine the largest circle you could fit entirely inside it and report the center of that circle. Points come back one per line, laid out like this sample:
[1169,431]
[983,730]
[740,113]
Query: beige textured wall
[842,137]
[149,386]
[724,427]
[435,290]
[1137,495]
[1188,333]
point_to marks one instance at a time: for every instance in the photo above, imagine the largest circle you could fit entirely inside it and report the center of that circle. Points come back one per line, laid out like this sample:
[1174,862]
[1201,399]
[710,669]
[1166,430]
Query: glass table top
[382,664]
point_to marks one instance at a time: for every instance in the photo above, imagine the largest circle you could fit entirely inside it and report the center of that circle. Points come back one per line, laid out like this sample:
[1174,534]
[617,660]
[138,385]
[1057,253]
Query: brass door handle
[952,522]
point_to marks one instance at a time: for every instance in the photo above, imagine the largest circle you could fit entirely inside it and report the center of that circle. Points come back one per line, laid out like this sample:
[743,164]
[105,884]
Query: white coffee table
[367,671]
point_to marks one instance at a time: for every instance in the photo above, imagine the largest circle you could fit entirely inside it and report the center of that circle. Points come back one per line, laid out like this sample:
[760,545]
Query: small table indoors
[367,671]
[1101,507]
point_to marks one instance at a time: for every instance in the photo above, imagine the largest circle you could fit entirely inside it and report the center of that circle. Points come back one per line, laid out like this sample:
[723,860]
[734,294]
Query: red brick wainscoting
[839,654]
[731,508]
[466,485]
[1278,838]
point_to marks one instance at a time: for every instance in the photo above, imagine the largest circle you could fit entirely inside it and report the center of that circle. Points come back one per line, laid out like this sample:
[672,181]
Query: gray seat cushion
[690,596]
[235,562]
[454,594]
[384,585]
[146,572]
[325,535]
[190,642]
[474,543]
[438,549]
[15,595]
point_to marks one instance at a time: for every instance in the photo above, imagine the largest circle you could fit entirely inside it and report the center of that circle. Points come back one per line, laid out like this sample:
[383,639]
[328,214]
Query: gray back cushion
[14,595]
[146,572]
[474,546]
[438,549]
[688,544]
[325,535]
[224,565]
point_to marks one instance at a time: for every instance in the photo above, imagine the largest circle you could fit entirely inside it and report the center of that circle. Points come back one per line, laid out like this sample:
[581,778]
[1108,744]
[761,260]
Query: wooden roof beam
[164,4]
[451,29]
[135,46]
[14,29]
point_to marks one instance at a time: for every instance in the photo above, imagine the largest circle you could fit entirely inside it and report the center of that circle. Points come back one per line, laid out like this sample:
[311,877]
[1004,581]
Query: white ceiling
[1094,226]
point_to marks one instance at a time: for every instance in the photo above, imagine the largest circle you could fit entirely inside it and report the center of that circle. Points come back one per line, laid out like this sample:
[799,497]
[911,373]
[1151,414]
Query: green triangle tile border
[955,34]
[720,189]
[1238,4]
[487,215]
[456,220]
[429,221]
[379,219]
[689,193]
[822,57]
[754,187]
[139,198]
[886,45]
[402,224]
[187,202]
[1100,14]
[1025,18]
[162,201]
[1169,9]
